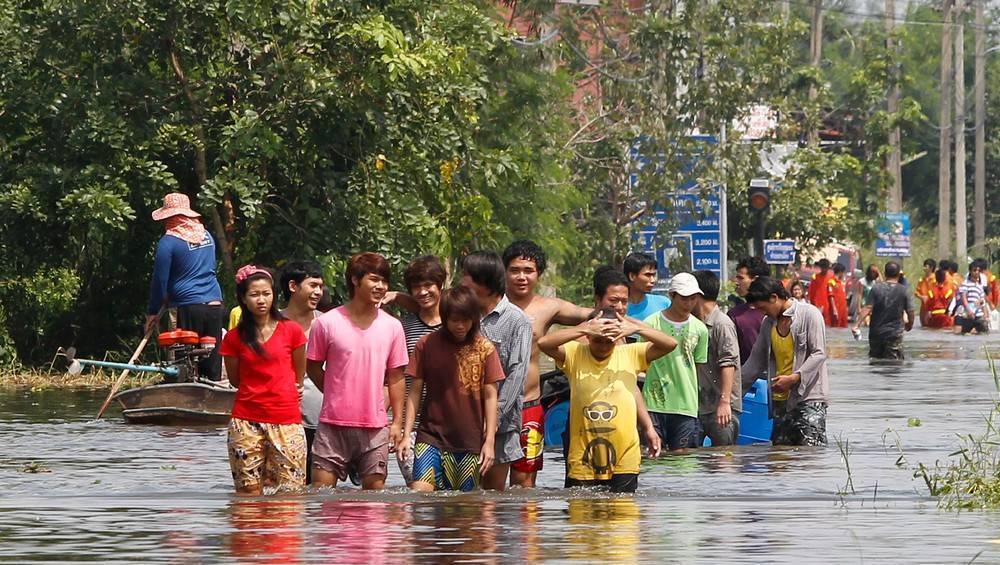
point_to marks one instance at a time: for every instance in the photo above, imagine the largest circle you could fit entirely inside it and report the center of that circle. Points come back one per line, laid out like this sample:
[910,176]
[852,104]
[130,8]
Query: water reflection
[359,531]
[110,492]
[268,530]
[464,527]
[604,529]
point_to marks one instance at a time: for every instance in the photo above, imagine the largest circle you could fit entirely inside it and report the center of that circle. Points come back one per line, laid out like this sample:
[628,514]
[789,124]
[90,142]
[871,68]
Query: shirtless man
[525,262]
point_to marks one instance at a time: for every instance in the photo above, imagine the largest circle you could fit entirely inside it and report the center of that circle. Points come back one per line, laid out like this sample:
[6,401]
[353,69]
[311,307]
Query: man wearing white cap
[184,276]
[671,389]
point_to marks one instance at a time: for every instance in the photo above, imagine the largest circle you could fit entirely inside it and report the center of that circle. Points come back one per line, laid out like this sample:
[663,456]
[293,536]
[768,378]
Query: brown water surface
[109,491]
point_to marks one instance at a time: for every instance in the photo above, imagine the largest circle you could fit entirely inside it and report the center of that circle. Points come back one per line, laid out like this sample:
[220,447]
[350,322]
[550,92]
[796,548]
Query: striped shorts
[444,469]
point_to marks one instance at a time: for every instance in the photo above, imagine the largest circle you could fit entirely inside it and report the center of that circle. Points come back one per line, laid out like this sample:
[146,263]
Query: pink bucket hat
[175,204]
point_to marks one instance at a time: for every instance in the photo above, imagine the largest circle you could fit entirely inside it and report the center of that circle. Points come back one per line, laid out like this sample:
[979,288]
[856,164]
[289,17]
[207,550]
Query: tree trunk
[961,222]
[944,137]
[892,106]
[815,56]
[201,165]
[979,211]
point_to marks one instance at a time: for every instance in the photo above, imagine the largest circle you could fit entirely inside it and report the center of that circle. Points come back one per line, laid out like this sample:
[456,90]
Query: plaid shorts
[272,455]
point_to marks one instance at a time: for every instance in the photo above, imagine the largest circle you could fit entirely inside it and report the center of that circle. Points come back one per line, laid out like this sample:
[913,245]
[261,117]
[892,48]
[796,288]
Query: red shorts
[532,438]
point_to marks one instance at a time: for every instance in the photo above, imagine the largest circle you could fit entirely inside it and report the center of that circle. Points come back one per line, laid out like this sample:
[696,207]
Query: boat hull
[177,404]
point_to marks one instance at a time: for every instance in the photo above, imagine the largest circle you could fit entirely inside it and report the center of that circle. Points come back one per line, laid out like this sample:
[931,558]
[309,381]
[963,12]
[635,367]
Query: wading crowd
[458,370]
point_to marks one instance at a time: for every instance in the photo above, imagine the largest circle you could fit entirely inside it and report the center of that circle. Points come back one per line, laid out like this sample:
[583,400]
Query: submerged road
[77,489]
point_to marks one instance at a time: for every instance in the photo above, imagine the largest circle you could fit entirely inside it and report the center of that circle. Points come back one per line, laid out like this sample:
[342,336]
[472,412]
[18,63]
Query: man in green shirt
[671,389]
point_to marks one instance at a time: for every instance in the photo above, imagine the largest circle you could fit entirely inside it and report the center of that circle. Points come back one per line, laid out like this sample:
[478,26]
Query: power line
[893,17]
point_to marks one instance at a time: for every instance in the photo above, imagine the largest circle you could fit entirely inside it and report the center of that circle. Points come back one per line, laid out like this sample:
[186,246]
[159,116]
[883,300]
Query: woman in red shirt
[265,359]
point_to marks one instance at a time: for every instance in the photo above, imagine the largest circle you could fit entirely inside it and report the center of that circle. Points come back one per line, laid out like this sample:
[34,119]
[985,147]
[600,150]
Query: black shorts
[969,324]
[625,482]
[206,320]
[890,348]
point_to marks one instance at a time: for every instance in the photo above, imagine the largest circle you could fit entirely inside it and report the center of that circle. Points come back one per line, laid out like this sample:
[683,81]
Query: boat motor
[184,348]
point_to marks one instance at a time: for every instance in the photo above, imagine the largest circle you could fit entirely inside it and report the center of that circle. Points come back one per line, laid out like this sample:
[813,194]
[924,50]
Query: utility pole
[961,224]
[892,105]
[816,54]
[944,136]
[979,211]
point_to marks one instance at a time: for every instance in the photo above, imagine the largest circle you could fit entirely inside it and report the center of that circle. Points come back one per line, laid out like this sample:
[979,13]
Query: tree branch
[201,160]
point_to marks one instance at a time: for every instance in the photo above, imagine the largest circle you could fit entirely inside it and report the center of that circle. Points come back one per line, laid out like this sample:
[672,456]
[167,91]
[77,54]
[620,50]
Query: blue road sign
[699,241]
[779,251]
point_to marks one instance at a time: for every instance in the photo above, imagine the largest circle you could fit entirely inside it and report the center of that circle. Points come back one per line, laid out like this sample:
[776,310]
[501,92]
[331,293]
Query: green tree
[306,128]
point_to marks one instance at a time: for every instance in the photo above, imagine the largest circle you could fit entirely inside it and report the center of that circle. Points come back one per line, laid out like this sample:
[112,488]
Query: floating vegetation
[35,467]
[39,379]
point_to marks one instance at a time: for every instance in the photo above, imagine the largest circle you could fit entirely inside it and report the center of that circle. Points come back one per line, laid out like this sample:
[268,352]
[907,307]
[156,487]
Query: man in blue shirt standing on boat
[184,277]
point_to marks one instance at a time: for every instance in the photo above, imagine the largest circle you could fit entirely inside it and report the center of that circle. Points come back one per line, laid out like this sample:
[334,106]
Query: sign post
[779,251]
[892,235]
[699,240]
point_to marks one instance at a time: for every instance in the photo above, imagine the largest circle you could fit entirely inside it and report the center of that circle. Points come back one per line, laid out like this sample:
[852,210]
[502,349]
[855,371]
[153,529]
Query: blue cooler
[555,423]
[755,425]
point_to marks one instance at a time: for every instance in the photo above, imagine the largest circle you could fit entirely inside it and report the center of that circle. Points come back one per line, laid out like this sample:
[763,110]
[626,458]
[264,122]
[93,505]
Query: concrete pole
[944,136]
[815,56]
[979,211]
[961,223]
[892,106]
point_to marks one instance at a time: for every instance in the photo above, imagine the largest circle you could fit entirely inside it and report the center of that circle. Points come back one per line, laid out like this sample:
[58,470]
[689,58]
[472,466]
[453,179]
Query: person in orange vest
[924,285]
[993,289]
[819,291]
[956,279]
[838,294]
[937,301]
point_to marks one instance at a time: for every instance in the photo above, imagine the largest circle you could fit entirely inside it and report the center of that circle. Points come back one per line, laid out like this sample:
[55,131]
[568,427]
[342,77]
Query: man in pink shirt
[363,349]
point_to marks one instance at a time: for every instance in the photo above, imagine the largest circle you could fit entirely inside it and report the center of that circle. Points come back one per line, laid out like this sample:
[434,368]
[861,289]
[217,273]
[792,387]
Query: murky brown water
[129,493]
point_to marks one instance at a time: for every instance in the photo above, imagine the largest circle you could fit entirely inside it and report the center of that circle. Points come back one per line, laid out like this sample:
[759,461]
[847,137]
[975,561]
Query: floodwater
[109,491]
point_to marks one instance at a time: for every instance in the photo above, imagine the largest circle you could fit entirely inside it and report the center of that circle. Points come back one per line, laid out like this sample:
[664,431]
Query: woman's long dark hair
[247,327]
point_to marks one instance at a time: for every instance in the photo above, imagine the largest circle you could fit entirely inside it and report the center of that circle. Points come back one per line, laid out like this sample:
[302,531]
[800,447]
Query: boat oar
[135,355]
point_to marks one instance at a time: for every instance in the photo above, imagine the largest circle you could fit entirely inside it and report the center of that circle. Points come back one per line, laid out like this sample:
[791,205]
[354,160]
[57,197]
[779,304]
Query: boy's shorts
[532,438]
[507,447]
[271,455]
[709,427]
[803,425]
[677,431]
[336,449]
[444,469]
[627,482]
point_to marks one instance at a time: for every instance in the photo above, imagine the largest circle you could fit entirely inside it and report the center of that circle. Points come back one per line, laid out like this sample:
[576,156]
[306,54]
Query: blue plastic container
[555,423]
[755,425]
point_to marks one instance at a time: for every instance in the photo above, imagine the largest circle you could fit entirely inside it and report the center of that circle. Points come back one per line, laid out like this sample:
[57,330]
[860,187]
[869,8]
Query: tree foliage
[319,128]
[300,129]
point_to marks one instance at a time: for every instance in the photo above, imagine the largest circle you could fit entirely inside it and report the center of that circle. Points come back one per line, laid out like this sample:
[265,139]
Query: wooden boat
[177,404]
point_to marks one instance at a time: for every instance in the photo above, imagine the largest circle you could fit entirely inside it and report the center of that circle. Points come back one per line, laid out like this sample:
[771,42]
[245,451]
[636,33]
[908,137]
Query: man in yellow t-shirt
[605,403]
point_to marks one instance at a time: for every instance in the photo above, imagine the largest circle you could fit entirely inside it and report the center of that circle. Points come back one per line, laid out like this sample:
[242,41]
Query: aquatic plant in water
[970,479]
